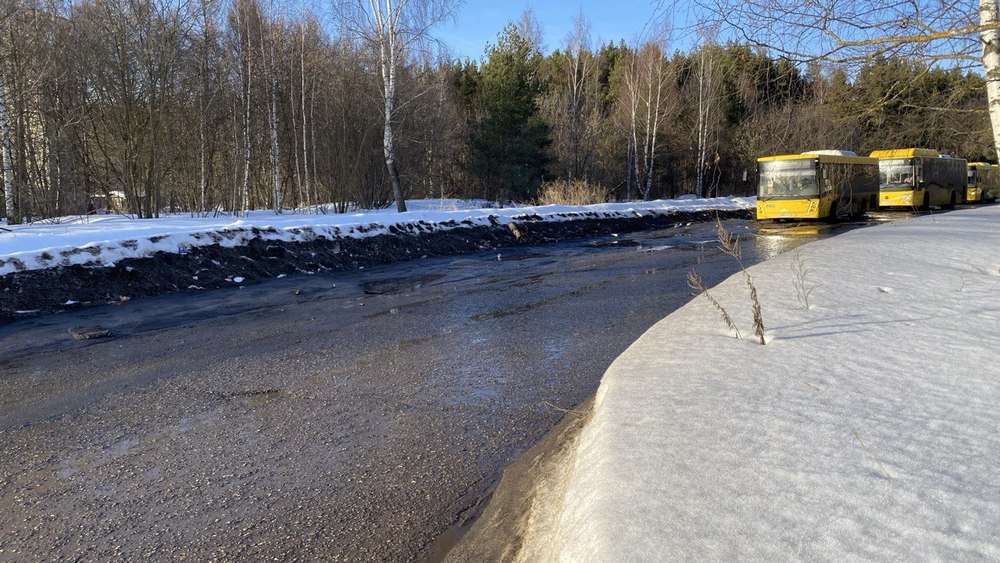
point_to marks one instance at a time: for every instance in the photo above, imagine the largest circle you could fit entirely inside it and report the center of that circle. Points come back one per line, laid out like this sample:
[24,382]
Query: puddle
[678,244]
[474,386]
[442,545]
[398,285]
[657,248]
[501,313]
[522,256]
[623,243]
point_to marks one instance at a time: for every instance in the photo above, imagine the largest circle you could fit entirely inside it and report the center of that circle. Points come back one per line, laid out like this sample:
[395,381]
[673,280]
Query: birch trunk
[293,121]
[651,157]
[246,140]
[202,112]
[387,31]
[629,153]
[575,109]
[237,156]
[305,128]
[202,165]
[275,148]
[990,36]
[643,187]
[8,172]
[633,176]
[703,101]
[312,147]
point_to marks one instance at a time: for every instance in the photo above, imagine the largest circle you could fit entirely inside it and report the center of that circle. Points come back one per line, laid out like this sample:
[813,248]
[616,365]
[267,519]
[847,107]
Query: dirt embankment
[64,288]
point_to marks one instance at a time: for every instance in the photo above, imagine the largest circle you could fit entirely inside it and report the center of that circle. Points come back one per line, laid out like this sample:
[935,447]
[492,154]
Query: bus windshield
[895,172]
[784,178]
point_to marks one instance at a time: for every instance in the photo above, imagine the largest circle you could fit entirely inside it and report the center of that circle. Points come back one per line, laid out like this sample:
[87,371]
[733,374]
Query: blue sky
[479,21]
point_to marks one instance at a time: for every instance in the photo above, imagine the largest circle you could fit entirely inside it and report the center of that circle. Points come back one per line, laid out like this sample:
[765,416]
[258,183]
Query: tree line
[205,106]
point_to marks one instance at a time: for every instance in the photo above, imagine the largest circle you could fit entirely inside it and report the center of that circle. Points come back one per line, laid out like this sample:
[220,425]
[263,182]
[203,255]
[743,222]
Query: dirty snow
[867,428]
[102,240]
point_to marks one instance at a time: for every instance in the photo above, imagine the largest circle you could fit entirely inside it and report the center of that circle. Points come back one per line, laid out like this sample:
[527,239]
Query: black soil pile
[64,288]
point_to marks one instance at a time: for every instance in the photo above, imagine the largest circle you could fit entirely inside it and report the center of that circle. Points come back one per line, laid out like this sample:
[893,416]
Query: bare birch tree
[8,171]
[574,103]
[243,12]
[272,35]
[989,34]
[646,100]
[629,102]
[655,100]
[5,134]
[205,97]
[707,102]
[393,28]
[305,122]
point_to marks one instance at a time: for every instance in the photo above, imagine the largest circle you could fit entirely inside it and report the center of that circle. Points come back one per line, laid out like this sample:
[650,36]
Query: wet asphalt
[349,416]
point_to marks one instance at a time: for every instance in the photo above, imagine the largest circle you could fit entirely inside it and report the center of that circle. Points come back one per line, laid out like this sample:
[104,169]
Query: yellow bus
[824,184]
[984,182]
[920,178]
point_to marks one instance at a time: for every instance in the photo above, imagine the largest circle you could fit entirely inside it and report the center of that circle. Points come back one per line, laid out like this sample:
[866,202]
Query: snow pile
[867,428]
[102,240]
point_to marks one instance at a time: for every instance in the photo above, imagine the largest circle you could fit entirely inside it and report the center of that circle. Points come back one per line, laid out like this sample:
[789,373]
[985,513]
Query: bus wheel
[926,205]
[833,213]
[862,209]
[953,201]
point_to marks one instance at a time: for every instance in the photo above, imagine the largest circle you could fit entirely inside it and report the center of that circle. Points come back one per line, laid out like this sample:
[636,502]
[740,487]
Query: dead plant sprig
[803,285]
[694,282]
[875,459]
[730,244]
[758,316]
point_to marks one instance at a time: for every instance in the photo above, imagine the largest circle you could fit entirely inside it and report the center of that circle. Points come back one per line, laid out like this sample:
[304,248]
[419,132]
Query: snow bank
[102,240]
[867,428]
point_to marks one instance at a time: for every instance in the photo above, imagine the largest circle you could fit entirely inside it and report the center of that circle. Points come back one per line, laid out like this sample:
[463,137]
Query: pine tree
[510,140]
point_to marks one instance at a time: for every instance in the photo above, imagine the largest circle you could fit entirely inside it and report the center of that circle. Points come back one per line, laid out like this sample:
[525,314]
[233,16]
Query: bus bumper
[788,209]
[901,198]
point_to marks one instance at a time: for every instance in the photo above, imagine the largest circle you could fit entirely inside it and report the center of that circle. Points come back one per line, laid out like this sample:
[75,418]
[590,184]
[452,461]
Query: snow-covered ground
[106,239]
[868,427]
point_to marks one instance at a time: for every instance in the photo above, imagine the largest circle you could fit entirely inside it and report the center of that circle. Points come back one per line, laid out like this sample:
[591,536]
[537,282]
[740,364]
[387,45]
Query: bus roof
[833,152]
[904,153]
[982,164]
[823,158]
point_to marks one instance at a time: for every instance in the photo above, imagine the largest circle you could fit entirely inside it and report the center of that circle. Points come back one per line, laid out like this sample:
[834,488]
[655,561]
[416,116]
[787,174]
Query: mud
[518,519]
[66,288]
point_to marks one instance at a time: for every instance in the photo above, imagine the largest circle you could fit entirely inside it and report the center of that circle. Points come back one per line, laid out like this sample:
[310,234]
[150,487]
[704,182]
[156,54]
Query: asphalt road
[351,416]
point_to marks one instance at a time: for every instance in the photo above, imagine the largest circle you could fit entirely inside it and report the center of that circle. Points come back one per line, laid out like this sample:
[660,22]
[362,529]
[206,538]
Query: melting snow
[867,429]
